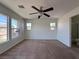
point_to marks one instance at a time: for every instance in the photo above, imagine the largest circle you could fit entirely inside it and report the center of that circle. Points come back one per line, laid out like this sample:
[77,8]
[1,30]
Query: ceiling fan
[41,11]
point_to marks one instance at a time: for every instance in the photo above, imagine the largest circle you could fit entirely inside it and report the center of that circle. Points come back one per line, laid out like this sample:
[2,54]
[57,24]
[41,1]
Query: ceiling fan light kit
[41,11]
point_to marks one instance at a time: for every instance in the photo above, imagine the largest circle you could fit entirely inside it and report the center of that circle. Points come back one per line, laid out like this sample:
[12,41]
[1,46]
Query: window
[28,25]
[52,26]
[8,28]
[3,28]
[14,28]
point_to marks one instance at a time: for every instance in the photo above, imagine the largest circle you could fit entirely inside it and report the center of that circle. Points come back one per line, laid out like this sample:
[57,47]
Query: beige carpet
[38,49]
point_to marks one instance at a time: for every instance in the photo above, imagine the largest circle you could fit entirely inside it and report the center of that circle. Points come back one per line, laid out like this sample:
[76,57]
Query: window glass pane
[3,28]
[52,24]
[52,28]
[28,26]
[14,29]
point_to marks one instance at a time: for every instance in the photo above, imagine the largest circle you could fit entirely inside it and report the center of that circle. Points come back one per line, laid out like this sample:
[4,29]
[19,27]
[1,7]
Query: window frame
[52,26]
[9,32]
[28,26]
[17,31]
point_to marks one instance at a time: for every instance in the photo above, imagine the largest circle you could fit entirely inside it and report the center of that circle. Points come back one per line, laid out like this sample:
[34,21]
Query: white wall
[41,29]
[5,46]
[64,27]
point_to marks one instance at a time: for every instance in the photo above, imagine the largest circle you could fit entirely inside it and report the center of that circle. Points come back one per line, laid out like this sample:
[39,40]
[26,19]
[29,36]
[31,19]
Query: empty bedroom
[39,29]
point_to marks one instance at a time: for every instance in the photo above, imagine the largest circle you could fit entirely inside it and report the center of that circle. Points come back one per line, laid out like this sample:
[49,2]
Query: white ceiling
[61,7]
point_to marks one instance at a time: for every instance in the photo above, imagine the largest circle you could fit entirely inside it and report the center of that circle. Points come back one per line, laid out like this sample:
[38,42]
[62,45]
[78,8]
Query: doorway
[75,31]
